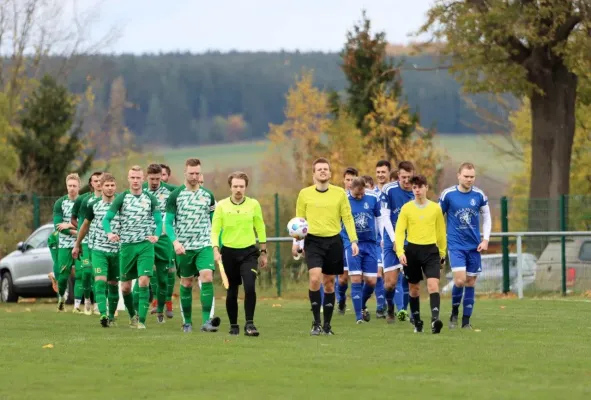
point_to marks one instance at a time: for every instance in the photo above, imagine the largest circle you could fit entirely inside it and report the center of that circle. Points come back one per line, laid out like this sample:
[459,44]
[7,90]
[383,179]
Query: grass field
[525,349]
[459,148]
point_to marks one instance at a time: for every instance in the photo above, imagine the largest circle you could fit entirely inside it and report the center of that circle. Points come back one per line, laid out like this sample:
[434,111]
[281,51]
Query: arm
[157,215]
[76,210]
[170,216]
[300,206]
[216,227]
[386,224]
[401,226]
[486,222]
[347,218]
[82,232]
[259,226]
[211,206]
[441,234]
[58,213]
[113,210]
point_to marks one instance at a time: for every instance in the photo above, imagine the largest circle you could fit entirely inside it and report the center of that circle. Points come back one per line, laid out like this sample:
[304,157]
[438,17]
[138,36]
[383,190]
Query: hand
[217,257]
[354,249]
[263,260]
[294,250]
[402,259]
[152,239]
[179,248]
[75,252]
[442,261]
[113,237]
[483,246]
[63,225]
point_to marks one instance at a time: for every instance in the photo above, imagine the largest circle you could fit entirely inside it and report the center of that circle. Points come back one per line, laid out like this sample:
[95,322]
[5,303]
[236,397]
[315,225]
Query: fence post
[277,246]
[519,268]
[563,217]
[505,244]
[36,211]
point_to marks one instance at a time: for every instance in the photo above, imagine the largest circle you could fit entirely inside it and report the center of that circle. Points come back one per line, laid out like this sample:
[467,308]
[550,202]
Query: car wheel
[7,294]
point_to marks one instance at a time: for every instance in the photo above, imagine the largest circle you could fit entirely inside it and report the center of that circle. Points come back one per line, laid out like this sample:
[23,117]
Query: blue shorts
[379,256]
[391,262]
[465,260]
[365,263]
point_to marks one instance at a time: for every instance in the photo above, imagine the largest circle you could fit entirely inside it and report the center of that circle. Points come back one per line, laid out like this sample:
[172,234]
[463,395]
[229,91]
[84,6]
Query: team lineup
[364,233]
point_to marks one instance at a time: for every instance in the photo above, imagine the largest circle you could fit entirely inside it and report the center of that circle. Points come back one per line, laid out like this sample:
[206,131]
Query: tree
[50,145]
[534,49]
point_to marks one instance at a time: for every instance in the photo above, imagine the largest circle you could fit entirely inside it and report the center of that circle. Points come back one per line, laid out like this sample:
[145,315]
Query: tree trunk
[553,130]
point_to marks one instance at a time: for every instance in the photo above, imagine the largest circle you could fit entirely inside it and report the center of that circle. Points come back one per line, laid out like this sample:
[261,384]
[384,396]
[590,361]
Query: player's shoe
[360,322]
[187,328]
[453,321]
[327,329]
[61,307]
[87,308]
[365,315]
[342,307]
[141,326]
[234,330]
[104,321]
[154,309]
[419,326]
[54,286]
[380,314]
[112,323]
[316,329]
[160,318]
[133,322]
[211,325]
[390,317]
[96,310]
[436,326]
[250,330]
[77,310]
[402,315]
[468,327]
[169,313]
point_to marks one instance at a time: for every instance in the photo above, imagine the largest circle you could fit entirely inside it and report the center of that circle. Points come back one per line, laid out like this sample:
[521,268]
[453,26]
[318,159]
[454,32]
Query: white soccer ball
[297,228]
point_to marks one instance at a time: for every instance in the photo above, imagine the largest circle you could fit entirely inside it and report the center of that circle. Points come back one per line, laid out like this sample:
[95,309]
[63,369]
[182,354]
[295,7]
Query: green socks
[100,288]
[162,289]
[144,305]
[113,298]
[136,296]
[206,300]
[128,301]
[154,285]
[78,283]
[87,283]
[187,303]
[170,288]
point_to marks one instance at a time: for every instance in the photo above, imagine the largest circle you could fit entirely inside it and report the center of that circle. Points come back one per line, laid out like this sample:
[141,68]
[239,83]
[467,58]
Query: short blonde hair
[73,177]
[136,168]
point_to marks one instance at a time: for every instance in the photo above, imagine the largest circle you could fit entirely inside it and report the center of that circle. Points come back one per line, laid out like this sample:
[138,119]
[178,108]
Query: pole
[519,268]
[505,244]
[563,241]
[277,246]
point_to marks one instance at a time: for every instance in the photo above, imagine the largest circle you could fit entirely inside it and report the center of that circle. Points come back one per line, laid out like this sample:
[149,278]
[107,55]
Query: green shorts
[106,264]
[163,252]
[65,261]
[85,256]
[135,260]
[193,261]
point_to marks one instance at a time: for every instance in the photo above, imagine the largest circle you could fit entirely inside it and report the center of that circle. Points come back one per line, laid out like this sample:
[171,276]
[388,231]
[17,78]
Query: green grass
[459,148]
[526,349]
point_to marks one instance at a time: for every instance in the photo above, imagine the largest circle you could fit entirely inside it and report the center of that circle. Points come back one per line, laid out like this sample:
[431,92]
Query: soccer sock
[415,307]
[456,299]
[343,286]
[62,283]
[170,288]
[154,286]
[206,300]
[78,290]
[136,296]
[356,296]
[434,300]
[329,300]
[390,298]
[87,283]
[144,303]
[399,296]
[100,299]
[161,290]
[469,299]
[232,304]
[315,302]
[367,291]
[113,297]
[187,303]
[128,301]
[380,294]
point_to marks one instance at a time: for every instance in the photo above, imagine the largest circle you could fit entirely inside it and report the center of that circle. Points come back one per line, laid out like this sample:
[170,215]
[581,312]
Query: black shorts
[325,252]
[421,259]
[239,262]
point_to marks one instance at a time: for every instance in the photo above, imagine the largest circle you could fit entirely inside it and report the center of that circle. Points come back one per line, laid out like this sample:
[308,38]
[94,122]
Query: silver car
[24,272]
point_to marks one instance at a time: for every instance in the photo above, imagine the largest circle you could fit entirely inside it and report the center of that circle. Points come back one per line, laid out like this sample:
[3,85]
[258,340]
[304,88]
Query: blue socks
[380,294]
[367,292]
[342,291]
[456,299]
[356,296]
[321,294]
[390,298]
[401,294]
[468,304]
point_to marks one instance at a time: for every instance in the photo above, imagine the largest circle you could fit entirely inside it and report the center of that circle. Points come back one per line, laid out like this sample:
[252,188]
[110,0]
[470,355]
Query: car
[24,272]
[490,279]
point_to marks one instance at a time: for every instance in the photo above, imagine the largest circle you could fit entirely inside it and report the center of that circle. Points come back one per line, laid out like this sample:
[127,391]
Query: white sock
[77,303]
[212,312]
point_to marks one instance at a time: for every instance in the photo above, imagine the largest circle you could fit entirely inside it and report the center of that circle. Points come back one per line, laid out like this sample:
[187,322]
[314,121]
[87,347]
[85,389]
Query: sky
[150,26]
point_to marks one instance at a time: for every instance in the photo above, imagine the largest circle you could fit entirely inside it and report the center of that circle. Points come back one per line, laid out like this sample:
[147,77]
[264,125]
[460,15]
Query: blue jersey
[365,213]
[462,212]
[394,198]
[378,192]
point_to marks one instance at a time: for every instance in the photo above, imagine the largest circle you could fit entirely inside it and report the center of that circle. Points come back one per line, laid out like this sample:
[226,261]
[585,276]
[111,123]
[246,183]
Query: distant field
[475,148]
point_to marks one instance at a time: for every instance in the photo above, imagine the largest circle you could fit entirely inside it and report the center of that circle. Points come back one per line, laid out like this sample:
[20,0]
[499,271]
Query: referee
[324,206]
[421,221]
[237,218]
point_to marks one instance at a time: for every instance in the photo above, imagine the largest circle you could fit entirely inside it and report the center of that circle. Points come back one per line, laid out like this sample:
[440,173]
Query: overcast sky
[270,25]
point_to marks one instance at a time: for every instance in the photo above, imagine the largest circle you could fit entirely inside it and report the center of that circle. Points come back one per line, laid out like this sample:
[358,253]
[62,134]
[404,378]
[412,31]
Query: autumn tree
[535,49]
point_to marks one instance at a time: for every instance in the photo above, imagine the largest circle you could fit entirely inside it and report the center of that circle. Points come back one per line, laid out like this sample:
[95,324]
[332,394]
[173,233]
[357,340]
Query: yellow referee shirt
[422,225]
[238,223]
[324,211]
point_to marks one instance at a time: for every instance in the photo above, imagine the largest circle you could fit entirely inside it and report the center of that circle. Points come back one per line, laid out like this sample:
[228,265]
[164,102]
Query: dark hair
[368,179]
[96,173]
[384,163]
[192,162]
[166,167]
[154,169]
[465,165]
[351,171]
[320,160]
[358,182]
[406,165]
[238,175]
[394,175]
[419,180]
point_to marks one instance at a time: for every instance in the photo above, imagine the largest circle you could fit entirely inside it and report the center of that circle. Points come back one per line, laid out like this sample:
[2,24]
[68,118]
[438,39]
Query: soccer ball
[297,228]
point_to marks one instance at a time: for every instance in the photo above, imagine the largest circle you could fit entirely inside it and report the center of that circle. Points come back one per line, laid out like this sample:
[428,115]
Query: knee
[470,281]
[206,276]
[113,284]
[432,285]
[144,281]
[328,284]
[315,279]
[460,281]
[100,278]
[390,279]
[232,292]
[187,282]
[371,282]
[356,279]
[413,289]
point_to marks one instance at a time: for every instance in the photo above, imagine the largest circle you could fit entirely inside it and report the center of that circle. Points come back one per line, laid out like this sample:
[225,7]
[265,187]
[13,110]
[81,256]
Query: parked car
[490,279]
[578,265]
[24,272]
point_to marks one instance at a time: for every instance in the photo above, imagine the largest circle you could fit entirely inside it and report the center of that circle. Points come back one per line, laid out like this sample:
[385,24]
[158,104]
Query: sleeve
[113,210]
[216,226]
[259,223]
[301,205]
[155,204]
[444,203]
[171,216]
[347,218]
[83,208]
[58,213]
[77,205]
[157,214]
[386,220]
[89,215]
[377,208]
[212,204]
[399,234]
[441,233]
[486,221]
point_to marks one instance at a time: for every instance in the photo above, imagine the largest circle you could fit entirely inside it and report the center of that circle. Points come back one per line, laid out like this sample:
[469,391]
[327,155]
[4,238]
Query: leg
[112,286]
[473,269]
[357,296]
[343,285]
[101,271]
[414,275]
[249,273]
[188,270]
[431,262]
[136,296]
[333,265]
[380,294]
[170,289]
[53,276]
[355,273]
[392,268]
[457,259]
[128,272]
[369,269]
[205,266]
[78,286]
[87,280]
[66,262]
[154,289]
[145,269]
[128,301]
[234,282]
